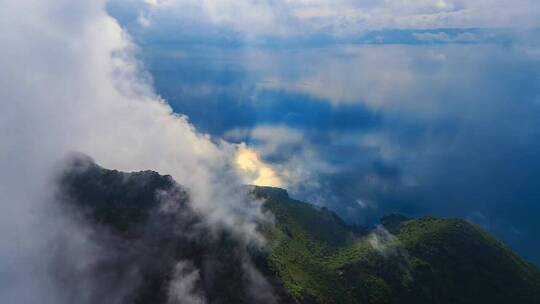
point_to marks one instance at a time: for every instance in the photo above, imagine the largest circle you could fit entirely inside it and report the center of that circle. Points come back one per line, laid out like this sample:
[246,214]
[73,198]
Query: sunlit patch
[254,170]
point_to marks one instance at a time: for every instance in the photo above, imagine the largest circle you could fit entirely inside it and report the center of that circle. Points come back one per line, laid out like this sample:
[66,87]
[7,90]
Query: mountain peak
[267,192]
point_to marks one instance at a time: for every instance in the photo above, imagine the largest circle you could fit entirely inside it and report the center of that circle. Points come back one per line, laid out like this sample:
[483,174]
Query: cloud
[380,78]
[455,135]
[444,129]
[445,38]
[258,173]
[70,82]
[251,20]
[182,288]
[385,243]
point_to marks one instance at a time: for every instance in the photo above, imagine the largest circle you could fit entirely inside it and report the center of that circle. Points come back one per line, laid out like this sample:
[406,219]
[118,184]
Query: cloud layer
[252,20]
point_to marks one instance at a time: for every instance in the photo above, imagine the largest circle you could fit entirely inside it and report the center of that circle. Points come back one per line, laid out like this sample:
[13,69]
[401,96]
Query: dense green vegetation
[122,200]
[429,260]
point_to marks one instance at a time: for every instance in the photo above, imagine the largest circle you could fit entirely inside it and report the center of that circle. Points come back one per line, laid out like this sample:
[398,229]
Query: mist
[70,82]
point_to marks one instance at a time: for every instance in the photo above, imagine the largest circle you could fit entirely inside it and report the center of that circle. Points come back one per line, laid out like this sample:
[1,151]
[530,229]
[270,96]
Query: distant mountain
[146,223]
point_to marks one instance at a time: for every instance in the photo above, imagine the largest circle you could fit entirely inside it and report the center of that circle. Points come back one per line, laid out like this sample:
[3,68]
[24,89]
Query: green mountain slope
[312,256]
[429,260]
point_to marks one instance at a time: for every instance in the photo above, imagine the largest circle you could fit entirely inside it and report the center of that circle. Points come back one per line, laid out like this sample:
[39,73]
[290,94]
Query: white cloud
[183,285]
[374,75]
[299,163]
[446,38]
[69,82]
[255,170]
[339,18]
[275,137]
[143,21]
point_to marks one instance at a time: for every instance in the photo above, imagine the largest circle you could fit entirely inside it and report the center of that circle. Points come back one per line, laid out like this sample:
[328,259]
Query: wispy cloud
[254,20]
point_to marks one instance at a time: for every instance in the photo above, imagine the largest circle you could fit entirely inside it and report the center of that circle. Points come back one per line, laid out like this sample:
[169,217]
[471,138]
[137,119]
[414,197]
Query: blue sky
[367,107]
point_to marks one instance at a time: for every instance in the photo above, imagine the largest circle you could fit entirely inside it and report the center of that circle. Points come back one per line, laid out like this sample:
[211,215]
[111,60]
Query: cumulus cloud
[70,82]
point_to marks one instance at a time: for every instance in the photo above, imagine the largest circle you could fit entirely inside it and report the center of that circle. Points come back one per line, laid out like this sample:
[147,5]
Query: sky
[366,107]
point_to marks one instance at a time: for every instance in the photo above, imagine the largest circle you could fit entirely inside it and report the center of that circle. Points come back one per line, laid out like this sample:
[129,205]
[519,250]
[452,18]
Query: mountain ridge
[312,255]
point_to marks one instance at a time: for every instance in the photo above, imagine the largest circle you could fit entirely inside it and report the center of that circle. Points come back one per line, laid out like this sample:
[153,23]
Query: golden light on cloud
[254,169]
